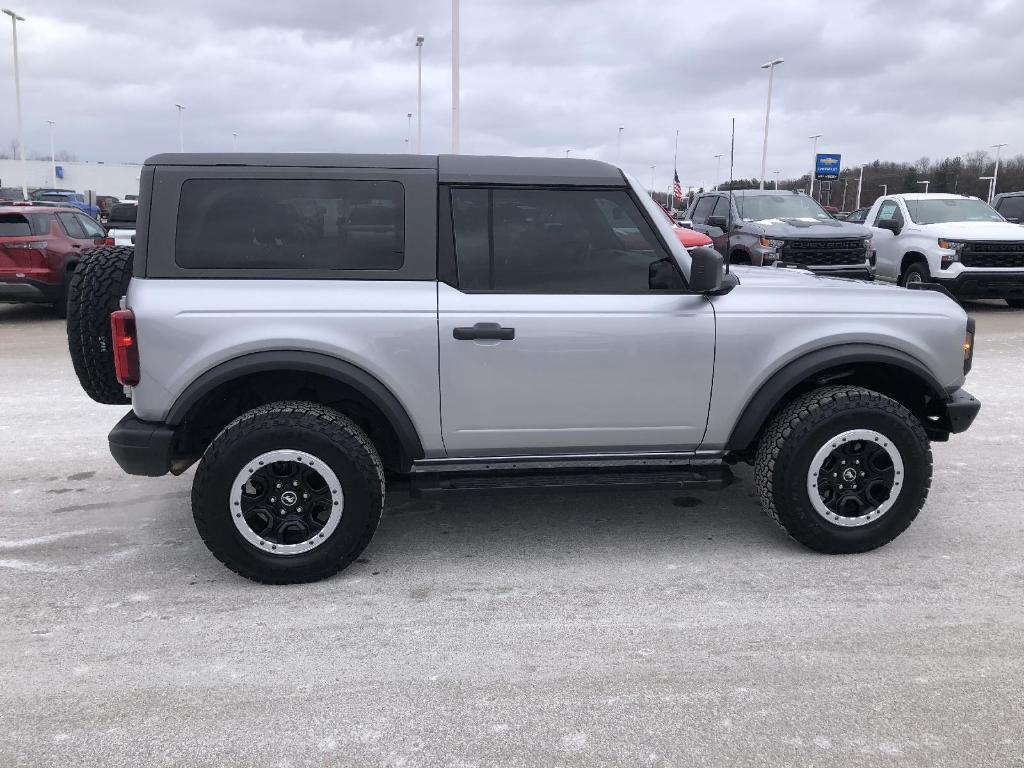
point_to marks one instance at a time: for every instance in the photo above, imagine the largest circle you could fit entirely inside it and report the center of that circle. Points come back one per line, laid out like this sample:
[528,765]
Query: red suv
[39,248]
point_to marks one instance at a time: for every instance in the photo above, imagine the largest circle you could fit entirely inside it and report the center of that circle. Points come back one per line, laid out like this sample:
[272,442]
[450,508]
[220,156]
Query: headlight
[767,242]
[954,247]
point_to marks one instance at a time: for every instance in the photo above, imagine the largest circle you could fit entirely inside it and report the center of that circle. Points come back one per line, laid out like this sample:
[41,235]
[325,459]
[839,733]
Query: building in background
[118,179]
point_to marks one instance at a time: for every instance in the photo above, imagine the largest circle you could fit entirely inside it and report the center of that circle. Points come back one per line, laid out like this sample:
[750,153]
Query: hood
[794,228]
[779,277]
[972,230]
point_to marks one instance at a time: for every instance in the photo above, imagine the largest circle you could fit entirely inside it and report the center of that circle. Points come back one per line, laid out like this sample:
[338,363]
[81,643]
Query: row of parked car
[42,240]
[971,249]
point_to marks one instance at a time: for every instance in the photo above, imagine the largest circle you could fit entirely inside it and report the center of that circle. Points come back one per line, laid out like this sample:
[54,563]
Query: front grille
[824,253]
[993,254]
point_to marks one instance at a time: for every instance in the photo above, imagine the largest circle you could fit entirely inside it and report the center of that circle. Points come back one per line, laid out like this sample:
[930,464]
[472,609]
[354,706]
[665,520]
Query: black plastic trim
[961,410]
[978,284]
[312,362]
[141,447]
[764,402]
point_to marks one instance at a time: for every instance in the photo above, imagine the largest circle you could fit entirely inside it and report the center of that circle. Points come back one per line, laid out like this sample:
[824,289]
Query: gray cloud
[893,80]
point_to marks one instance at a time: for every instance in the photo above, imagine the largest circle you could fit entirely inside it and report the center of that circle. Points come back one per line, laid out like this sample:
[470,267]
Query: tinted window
[92,229]
[721,208]
[1012,207]
[703,209]
[858,216]
[889,210]
[122,214]
[290,224]
[24,225]
[54,197]
[548,240]
[71,225]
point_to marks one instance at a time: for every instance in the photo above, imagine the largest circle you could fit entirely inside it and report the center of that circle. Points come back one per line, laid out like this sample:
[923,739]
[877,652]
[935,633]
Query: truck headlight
[953,249]
[767,242]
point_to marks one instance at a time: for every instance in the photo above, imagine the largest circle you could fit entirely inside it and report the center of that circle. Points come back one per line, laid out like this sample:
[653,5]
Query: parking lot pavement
[590,629]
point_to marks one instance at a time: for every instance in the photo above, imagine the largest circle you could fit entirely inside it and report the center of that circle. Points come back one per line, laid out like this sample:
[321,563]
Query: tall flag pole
[677,191]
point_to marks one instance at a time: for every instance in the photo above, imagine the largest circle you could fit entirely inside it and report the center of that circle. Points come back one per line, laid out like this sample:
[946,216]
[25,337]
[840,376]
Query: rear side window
[556,241]
[122,214]
[315,224]
[24,225]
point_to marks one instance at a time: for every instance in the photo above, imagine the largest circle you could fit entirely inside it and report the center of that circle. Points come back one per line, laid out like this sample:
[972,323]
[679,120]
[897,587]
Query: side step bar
[706,476]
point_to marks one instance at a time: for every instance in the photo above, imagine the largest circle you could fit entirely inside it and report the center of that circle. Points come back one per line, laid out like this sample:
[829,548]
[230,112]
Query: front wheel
[288,493]
[844,469]
[915,273]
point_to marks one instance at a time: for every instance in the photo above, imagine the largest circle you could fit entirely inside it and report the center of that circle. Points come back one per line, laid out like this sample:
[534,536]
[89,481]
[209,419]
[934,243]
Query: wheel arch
[230,388]
[890,371]
[911,257]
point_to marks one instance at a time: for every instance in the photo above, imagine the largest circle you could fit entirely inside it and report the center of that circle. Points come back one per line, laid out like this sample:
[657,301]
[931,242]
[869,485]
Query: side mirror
[686,223]
[707,268]
[890,224]
[718,221]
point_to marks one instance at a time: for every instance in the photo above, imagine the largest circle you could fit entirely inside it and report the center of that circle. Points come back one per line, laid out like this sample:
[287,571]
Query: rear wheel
[844,469]
[287,493]
[94,290]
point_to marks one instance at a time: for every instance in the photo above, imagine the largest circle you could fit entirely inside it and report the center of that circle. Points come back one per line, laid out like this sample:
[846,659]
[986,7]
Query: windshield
[956,209]
[788,206]
[55,198]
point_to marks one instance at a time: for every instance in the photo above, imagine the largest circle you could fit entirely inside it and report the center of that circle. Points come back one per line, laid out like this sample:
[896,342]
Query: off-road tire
[326,434]
[804,426]
[918,268]
[94,291]
[1015,303]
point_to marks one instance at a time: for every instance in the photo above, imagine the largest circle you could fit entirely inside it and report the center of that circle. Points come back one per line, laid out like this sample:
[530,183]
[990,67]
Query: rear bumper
[985,285]
[141,447]
[25,289]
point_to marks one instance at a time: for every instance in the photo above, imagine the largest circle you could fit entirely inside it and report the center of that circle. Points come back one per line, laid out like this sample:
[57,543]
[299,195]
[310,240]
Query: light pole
[618,148]
[718,170]
[652,181]
[926,183]
[419,94]
[995,174]
[770,66]
[234,141]
[885,189]
[15,18]
[455,77]
[181,130]
[860,186]
[408,133]
[776,179]
[53,156]
[567,152]
[814,160]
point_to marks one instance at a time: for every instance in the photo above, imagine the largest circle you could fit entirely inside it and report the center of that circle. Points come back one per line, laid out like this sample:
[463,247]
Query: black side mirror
[718,221]
[891,224]
[706,269]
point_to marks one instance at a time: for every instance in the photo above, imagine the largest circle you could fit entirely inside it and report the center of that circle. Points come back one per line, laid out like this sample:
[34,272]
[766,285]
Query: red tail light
[108,241]
[126,346]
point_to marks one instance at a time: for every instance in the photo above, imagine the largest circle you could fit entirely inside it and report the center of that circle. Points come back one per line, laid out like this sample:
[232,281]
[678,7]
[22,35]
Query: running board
[691,478]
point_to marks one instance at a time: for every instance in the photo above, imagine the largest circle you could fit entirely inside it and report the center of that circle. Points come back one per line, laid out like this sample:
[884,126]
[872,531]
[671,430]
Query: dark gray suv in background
[766,227]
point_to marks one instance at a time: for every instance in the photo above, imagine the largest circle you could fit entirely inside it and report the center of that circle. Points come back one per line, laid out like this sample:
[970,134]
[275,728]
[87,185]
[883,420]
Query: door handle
[492,331]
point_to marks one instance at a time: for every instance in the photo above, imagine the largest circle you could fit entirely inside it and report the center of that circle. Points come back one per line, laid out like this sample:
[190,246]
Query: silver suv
[782,228]
[313,328]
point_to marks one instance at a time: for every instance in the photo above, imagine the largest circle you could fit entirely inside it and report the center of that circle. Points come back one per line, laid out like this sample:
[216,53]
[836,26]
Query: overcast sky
[897,80]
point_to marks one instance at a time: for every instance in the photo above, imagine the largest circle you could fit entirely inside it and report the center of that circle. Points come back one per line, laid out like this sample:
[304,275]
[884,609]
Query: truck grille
[824,253]
[993,254]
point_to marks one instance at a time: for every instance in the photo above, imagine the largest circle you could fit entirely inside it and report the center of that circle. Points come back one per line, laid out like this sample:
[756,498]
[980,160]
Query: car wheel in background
[915,273]
[289,492]
[94,291]
[1016,303]
[844,469]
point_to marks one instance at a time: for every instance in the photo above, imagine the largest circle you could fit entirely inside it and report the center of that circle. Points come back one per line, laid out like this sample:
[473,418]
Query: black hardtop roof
[457,169]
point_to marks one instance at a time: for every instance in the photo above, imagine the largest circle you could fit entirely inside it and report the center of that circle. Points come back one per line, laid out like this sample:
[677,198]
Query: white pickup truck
[959,242]
[121,223]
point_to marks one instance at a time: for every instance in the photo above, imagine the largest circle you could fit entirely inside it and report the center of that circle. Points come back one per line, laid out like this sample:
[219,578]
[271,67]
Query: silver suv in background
[783,227]
[308,328]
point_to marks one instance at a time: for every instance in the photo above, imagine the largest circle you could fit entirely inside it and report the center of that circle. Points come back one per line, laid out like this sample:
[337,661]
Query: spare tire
[97,285]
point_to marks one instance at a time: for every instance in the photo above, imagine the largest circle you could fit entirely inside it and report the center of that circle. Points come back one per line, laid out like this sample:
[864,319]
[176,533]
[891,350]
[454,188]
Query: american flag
[677,188]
